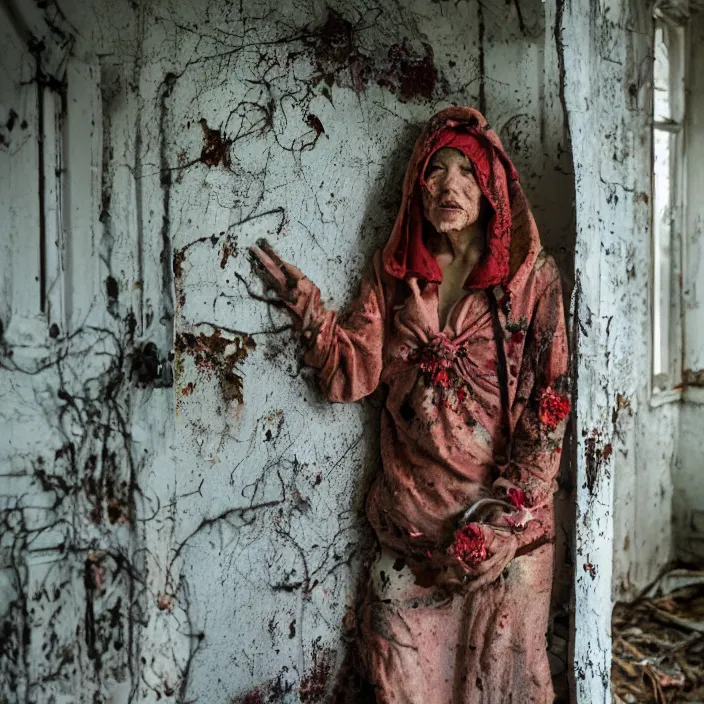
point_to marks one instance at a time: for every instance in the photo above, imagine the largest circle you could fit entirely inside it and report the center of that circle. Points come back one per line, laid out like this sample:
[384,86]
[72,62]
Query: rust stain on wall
[313,121]
[218,355]
[229,249]
[693,377]
[216,147]
[622,403]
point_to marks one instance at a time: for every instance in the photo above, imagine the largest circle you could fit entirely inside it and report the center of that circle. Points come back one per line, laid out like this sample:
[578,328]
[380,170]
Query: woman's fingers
[504,550]
[284,275]
[268,269]
[292,273]
[270,252]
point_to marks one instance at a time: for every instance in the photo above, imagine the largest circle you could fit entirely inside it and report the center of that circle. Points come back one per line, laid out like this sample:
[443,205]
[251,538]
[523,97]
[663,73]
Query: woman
[461,319]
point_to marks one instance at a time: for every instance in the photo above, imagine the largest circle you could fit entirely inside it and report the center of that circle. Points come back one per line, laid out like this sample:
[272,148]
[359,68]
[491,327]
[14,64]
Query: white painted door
[67,516]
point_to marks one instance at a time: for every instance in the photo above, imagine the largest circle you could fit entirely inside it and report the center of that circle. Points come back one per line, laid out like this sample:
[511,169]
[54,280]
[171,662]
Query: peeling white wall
[625,448]
[687,508]
[635,443]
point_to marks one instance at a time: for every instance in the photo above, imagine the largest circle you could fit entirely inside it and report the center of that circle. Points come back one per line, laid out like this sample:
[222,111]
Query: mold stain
[336,57]
[338,60]
[409,76]
[596,456]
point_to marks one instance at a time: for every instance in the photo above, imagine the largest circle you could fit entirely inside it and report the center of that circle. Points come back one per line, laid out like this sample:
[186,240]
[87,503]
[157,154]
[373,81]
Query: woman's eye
[467,170]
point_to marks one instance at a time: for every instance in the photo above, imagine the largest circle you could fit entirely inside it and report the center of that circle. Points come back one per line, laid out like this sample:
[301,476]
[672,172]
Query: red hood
[512,236]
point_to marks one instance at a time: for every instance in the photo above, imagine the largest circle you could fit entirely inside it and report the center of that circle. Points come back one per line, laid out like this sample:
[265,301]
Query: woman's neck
[461,246]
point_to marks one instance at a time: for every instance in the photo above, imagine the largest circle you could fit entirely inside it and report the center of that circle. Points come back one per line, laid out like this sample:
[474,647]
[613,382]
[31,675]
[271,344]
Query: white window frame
[665,384]
[693,271]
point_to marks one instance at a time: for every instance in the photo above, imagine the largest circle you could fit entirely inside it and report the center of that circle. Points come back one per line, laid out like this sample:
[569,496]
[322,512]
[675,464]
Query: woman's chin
[450,223]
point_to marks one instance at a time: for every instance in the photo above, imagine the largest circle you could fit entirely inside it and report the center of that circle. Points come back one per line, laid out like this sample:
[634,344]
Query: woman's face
[452,200]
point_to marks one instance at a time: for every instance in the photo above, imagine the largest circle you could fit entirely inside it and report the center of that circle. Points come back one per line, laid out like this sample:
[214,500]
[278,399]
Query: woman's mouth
[450,206]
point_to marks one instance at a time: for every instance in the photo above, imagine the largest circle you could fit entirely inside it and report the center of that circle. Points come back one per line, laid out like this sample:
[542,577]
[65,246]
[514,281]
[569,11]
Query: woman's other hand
[500,548]
[446,568]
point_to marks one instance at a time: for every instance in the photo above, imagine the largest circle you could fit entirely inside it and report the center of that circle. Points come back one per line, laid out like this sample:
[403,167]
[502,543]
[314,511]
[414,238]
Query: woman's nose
[451,180]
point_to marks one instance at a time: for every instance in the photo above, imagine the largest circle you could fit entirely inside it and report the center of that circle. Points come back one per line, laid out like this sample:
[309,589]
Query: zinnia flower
[554,408]
[469,546]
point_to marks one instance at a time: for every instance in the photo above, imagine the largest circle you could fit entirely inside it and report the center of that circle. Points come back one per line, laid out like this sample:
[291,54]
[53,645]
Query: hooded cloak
[453,432]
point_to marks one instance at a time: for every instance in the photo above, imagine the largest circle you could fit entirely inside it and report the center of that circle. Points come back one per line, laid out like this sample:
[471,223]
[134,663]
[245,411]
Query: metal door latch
[149,368]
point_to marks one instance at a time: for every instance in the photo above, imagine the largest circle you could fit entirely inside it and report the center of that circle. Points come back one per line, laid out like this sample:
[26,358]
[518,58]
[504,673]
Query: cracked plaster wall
[78,437]
[223,570]
[213,558]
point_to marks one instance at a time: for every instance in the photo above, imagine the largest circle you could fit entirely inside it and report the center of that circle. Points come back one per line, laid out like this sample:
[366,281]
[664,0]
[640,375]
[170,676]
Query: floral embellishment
[468,545]
[517,497]
[437,363]
[523,515]
[440,378]
[553,408]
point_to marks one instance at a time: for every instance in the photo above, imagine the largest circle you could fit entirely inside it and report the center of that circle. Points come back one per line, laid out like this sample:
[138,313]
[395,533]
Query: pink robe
[444,445]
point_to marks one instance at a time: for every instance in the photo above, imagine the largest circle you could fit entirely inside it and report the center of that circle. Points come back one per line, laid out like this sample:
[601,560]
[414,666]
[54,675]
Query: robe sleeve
[346,351]
[543,406]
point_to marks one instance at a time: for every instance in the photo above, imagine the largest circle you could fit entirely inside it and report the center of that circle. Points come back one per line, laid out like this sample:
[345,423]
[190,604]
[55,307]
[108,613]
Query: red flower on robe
[469,546]
[517,497]
[441,378]
[553,409]
[437,364]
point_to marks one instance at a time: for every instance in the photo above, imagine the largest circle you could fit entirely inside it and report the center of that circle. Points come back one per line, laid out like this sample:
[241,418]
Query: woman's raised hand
[278,275]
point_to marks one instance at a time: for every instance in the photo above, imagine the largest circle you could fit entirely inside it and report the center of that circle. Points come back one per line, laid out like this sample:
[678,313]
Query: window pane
[663,192]
[661,74]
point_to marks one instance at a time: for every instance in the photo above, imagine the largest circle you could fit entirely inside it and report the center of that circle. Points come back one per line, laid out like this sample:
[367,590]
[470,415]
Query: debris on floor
[658,642]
